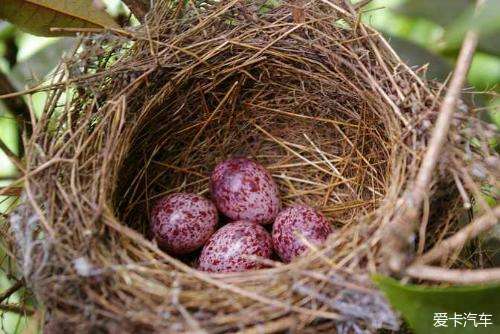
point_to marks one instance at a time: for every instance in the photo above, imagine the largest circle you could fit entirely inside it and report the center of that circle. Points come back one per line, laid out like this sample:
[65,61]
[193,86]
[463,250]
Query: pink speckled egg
[294,221]
[228,249]
[182,222]
[244,190]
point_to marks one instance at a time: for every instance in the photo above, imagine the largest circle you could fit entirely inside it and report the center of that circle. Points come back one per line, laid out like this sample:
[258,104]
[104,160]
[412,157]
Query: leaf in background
[8,44]
[38,16]
[6,30]
[418,305]
[9,135]
[32,70]
[484,72]
[487,22]
[442,12]
[490,43]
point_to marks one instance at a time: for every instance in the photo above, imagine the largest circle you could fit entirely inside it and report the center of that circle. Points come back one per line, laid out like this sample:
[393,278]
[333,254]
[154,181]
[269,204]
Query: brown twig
[279,325]
[446,112]
[403,226]
[7,293]
[19,108]
[17,309]
[361,4]
[8,178]
[458,240]
[138,7]
[15,104]
[11,155]
[11,191]
[456,276]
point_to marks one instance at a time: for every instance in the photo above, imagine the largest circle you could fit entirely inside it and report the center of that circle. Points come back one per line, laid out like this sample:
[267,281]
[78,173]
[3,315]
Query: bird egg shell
[183,222]
[294,222]
[230,248]
[244,190]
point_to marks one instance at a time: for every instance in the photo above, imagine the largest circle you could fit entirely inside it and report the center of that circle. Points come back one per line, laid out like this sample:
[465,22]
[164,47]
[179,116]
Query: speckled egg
[294,221]
[182,222]
[244,190]
[228,249]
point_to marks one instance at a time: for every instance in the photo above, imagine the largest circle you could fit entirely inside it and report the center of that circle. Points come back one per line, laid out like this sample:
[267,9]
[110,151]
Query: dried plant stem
[458,240]
[456,276]
[272,327]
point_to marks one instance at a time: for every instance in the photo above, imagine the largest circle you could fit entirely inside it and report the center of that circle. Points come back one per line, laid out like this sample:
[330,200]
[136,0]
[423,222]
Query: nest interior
[317,97]
[322,133]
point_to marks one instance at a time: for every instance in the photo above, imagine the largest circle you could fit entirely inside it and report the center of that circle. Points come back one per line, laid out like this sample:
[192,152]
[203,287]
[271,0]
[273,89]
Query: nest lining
[321,152]
[314,95]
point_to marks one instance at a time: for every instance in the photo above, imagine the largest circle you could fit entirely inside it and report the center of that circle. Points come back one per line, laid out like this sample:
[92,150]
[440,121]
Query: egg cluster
[245,192]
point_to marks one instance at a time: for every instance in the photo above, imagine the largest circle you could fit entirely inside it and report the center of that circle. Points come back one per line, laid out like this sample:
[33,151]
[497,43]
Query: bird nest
[308,91]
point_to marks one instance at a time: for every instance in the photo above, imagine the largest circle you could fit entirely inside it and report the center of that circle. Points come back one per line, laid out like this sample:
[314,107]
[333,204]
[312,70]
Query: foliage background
[422,31]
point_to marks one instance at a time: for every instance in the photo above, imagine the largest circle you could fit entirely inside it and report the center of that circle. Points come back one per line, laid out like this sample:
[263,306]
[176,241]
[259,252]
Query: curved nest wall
[318,98]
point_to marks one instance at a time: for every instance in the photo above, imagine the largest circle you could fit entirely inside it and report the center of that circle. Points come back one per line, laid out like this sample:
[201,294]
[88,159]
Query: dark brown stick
[138,7]
[11,191]
[7,293]
[16,309]
[16,105]
[19,108]
[12,157]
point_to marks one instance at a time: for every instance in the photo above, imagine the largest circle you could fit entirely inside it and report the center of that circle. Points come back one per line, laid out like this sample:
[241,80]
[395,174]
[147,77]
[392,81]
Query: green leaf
[6,30]
[442,12]
[31,70]
[486,21]
[490,43]
[9,135]
[39,16]
[484,72]
[419,305]
[456,16]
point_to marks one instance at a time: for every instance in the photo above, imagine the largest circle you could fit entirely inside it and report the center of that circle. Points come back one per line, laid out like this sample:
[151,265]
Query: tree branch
[139,7]
[402,228]
[457,276]
[440,131]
